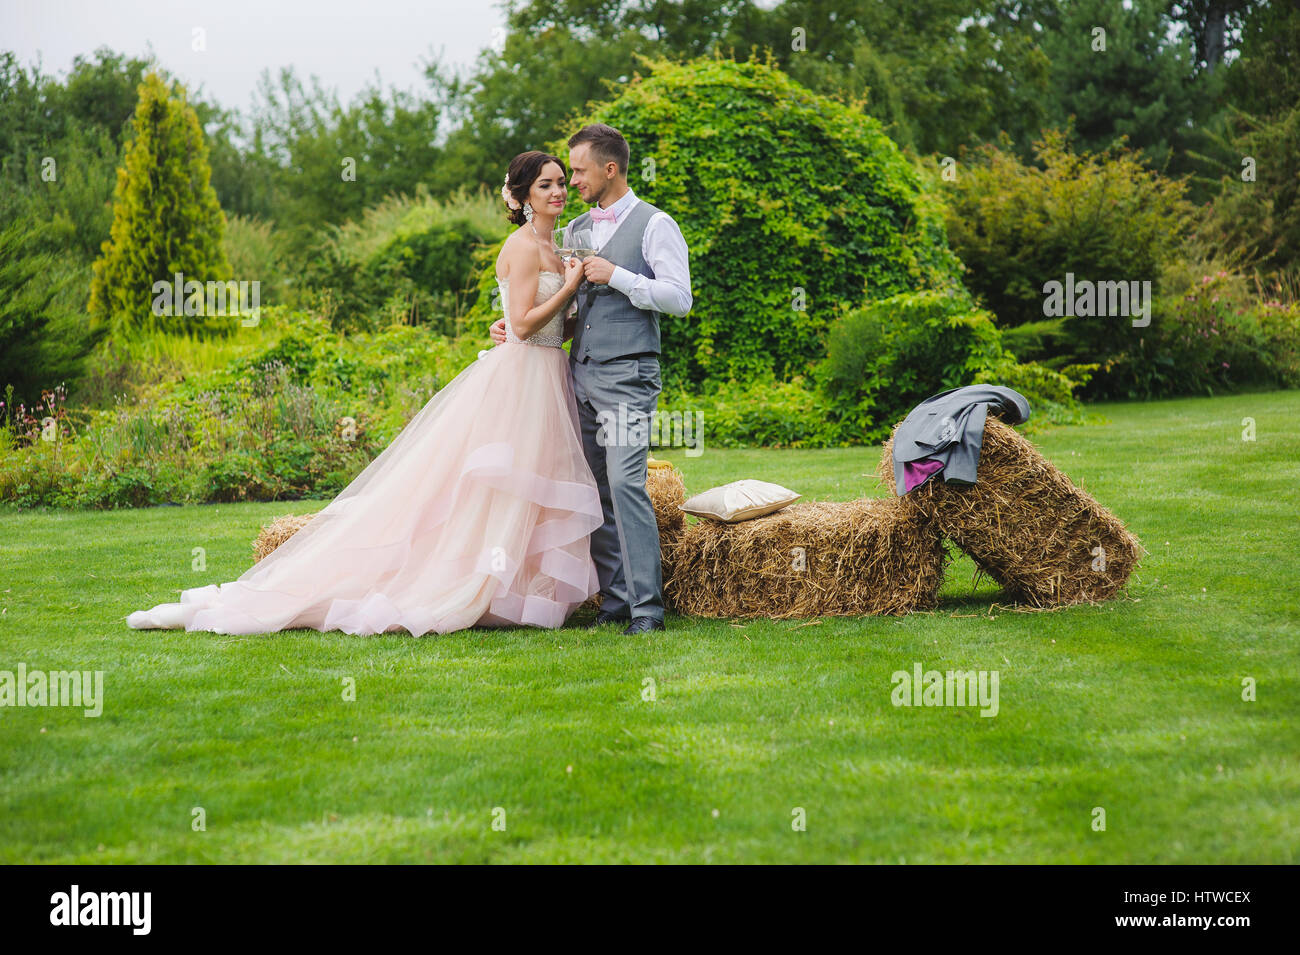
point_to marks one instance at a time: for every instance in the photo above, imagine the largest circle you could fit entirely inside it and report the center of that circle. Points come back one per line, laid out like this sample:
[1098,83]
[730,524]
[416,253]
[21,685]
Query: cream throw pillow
[740,501]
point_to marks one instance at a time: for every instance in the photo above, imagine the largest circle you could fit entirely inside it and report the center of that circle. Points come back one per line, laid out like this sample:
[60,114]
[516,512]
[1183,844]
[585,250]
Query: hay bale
[277,532]
[1025,524]
[863,557]
[667,494]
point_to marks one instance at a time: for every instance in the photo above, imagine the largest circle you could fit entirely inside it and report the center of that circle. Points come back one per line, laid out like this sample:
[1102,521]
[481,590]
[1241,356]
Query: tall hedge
[776,190]
[166,218]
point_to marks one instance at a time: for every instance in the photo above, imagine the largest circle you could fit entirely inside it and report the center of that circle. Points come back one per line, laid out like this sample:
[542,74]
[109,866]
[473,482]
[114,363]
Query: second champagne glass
[582,243]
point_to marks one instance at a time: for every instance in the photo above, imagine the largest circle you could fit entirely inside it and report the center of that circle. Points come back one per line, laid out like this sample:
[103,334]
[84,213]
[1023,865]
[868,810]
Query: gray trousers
[617,400]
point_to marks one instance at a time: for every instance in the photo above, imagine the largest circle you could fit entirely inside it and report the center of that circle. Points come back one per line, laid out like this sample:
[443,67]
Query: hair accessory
[510,201]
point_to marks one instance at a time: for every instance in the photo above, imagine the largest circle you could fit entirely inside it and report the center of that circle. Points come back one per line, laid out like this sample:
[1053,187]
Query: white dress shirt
[664,249]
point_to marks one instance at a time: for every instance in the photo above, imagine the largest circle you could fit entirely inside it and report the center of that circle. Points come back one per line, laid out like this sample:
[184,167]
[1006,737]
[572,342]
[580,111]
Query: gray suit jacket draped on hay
[949,427]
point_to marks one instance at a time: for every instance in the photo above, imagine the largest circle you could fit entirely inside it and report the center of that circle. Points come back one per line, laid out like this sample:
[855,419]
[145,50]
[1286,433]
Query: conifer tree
[166,219]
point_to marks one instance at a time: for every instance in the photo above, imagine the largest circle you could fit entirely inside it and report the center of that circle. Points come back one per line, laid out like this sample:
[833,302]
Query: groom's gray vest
[609,325]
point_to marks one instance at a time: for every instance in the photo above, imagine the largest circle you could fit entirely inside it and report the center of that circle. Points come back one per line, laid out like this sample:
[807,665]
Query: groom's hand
[598,270]
[498,331]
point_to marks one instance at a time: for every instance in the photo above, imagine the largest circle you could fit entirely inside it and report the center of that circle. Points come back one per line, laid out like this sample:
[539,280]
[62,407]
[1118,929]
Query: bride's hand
[572,273]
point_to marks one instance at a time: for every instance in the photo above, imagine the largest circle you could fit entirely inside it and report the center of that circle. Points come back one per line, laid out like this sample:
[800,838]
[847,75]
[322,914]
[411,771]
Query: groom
[642,272]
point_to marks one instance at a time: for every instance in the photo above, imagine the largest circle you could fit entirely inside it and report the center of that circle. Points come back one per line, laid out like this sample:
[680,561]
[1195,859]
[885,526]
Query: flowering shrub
[301,416]
[1213,336]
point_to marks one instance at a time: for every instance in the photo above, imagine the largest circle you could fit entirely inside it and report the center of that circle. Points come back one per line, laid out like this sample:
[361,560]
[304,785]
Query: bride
[480,511]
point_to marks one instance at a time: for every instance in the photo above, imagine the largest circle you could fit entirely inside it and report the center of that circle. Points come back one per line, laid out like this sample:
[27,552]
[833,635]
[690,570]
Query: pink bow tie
[603,215]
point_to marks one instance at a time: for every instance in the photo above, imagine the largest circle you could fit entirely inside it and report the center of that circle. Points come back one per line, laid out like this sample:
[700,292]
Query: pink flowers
[510,201]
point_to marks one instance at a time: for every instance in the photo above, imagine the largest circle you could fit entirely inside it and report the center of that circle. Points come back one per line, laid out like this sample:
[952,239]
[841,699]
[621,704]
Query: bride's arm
[523,275]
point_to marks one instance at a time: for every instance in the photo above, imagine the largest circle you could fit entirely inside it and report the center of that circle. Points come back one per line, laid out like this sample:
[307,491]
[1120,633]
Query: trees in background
[43,335]
[312,161]
[1254,164]
[941,74]
[1190,86]
[60,144]
[1119,72]
[916,63]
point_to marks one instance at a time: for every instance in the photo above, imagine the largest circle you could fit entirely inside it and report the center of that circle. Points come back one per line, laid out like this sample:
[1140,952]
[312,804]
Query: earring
[528,212]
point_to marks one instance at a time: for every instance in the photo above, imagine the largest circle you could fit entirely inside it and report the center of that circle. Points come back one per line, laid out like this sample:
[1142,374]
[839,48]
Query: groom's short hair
[607,144]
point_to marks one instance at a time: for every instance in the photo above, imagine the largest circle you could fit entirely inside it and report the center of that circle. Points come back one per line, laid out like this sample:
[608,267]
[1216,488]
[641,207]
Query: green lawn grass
[1134,706]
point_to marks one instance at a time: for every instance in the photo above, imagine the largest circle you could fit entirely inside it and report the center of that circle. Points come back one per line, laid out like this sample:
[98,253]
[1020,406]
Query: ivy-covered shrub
[793,206]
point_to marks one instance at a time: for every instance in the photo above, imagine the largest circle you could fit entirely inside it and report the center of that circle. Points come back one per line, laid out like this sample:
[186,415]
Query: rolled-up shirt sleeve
[664,249]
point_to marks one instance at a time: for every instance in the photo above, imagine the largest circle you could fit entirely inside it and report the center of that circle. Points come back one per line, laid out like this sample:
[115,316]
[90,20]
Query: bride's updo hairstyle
[523,172]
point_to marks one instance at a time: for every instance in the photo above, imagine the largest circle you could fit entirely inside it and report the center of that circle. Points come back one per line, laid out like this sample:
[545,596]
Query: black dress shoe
[644,625]
[603,618]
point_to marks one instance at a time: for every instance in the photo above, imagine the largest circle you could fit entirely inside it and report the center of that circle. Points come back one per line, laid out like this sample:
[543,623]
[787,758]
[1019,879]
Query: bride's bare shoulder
[518,257]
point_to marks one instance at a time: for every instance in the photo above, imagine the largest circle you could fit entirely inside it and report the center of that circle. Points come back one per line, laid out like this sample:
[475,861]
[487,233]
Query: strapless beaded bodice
[552,333]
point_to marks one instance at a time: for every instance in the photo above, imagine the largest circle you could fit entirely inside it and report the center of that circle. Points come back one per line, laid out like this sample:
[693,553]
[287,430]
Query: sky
[343,42]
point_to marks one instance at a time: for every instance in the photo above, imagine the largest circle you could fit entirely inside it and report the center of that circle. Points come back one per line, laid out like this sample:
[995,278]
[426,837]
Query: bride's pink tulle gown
[478,514]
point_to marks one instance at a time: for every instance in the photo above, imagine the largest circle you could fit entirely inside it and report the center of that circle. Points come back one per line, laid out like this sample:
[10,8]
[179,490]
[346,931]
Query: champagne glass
[558,239]
[582,243]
